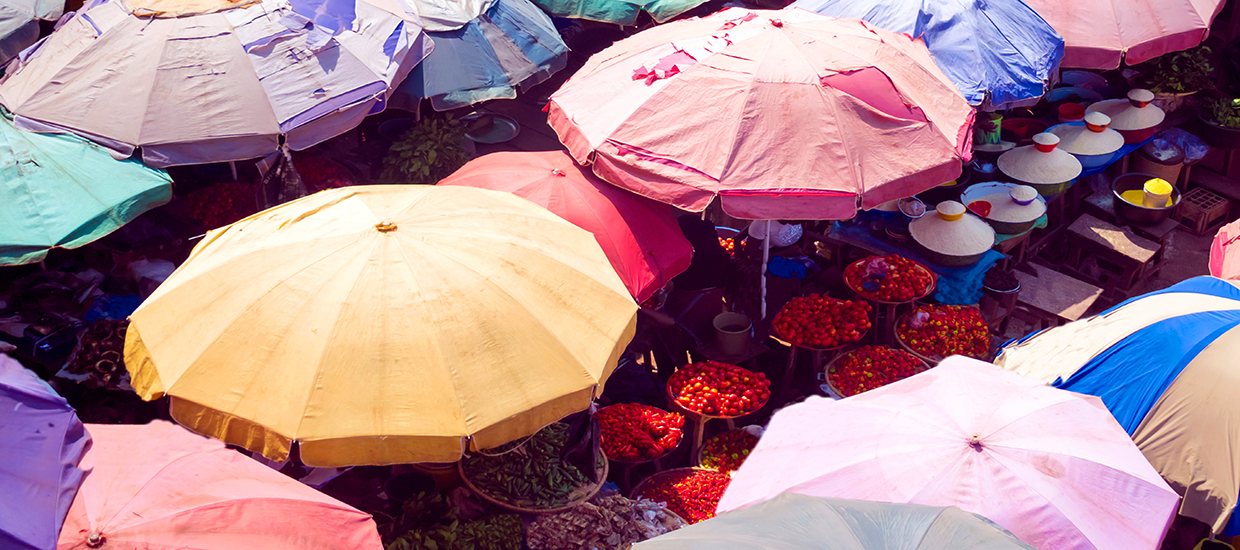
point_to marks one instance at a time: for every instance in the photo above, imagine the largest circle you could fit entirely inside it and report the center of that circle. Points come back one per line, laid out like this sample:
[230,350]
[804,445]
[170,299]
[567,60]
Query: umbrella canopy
[640,237]
[1164,364]
[191,84]
[1000,53]
[1099,35]
[783,114]
[19,23]
[1051,466]
[59,190]
[41,440]
[512,44]
[620,12]
[159,486]
[1225,253]
[791,521]
[383,324]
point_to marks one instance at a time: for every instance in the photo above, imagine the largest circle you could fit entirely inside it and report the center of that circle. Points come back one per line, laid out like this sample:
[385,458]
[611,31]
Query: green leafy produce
[530,474]
[1180,72]
[428,152]
[427,521]
[1224,111]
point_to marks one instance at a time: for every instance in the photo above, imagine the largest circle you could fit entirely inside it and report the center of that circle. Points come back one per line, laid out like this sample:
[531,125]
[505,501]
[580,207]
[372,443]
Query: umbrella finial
[777,23]
[385,226]
[976,443]
[558,172]
[95,539]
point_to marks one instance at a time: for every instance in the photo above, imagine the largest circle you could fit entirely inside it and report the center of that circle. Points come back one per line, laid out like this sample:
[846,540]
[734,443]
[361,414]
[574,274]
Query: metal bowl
[1135,213]
[484,127]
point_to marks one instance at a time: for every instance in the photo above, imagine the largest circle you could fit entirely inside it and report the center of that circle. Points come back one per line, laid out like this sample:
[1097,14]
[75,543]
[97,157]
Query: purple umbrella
[41,440]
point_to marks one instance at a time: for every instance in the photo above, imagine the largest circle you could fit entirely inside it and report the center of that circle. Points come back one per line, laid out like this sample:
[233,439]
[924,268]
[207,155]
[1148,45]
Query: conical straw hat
[963,236]
[1094,138]
[1041,162]
[1134,113]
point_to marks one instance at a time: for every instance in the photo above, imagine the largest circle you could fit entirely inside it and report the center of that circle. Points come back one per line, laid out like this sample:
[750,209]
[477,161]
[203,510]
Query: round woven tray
[579,495]
[636,493]
[866,295]
[697,460]
[665,453]
[671,398]
[826,370]
[930,360]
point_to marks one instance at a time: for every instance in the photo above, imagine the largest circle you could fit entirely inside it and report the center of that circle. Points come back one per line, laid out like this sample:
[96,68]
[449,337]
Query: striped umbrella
[1163,363]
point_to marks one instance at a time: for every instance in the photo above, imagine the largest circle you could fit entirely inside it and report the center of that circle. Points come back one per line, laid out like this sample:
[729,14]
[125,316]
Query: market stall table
[1129,252]
[955,285]
[885,310]
[687,378]
[1052,298]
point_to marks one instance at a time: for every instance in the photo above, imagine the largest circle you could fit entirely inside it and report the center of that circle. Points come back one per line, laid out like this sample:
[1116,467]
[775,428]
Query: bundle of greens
[428,521]
[529,474]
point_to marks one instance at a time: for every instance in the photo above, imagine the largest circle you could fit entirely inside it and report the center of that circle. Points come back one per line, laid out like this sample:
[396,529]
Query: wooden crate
[1202,211]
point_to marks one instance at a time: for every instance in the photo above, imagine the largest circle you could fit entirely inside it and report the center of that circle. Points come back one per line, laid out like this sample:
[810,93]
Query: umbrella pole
[766,257]
[233,164]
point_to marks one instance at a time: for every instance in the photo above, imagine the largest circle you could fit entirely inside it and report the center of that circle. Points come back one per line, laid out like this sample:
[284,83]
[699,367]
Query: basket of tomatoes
[821,322]
[890,279]
[933,332]
[727,451]
[636,433]
[870,367]
[718,390]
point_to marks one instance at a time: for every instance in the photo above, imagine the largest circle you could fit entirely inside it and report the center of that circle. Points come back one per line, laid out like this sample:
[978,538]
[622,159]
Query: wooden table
[1130,253]
[1102,206]
[1053,298]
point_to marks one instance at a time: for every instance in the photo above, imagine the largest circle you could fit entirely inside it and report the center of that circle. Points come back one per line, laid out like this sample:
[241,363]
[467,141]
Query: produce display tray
[671,398]
[930,360]
[636,493]
[648,460]
[866,295]
[580,495]
[826,370]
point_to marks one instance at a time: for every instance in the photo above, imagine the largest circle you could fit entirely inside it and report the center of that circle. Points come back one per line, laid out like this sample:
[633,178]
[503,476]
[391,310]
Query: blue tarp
[999,53]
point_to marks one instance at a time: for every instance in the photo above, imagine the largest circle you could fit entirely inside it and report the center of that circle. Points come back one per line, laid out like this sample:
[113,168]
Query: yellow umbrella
[383,325]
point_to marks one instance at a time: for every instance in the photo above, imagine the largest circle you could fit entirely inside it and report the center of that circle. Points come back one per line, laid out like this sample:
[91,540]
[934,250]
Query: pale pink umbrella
[783,114]
[1051,466]
[1225,253]
[1098,34]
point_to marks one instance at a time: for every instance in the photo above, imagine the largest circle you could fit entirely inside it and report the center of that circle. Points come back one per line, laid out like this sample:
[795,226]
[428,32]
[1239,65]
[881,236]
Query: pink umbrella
[1051,466]
[783,114]
[1225,253]
[1099,34]
[639,236]
[160,486]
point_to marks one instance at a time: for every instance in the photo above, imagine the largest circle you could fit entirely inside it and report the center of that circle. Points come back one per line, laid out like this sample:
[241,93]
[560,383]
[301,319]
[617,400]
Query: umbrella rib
[994,459]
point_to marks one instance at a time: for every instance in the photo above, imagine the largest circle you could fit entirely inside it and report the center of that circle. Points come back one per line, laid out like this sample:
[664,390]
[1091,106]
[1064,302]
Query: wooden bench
[1048,298]
[1102,206]
[1130,254]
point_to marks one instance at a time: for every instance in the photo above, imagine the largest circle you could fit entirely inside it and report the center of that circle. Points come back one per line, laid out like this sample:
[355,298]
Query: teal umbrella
[61,191]
[620,12]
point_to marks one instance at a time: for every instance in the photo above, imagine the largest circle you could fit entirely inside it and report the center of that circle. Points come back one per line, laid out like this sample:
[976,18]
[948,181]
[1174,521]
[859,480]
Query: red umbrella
[1225,253]
[639,236]
[161,486]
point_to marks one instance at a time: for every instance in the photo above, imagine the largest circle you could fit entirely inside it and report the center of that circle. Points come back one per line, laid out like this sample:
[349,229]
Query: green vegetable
[529,474]
[1180,72]
[431,150]
[1224,111]
[428,522]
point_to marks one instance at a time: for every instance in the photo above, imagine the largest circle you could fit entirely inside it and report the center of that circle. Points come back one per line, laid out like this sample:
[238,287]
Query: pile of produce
[998,279]
[427,520]
[821,321]
[870,367]
[529,474]
[222,203]
[691,494]
[719,389]
[728,450]
[100,354]
[604,523]
[888,278]
[319,172]
[728,244]
[637,433]
[939,331]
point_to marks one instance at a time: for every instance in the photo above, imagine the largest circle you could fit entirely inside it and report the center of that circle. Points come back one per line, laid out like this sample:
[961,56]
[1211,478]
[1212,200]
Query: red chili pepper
[691,494]
[636,432]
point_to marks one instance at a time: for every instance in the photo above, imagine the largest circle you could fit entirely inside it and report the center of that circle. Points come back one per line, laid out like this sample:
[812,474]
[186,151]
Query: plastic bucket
[732,332]
[1157,193]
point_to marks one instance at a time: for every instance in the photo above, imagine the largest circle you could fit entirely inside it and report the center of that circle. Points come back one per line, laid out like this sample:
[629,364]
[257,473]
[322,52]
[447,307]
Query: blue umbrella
[512,44]
[1164,364]
[41,440]
[999,53]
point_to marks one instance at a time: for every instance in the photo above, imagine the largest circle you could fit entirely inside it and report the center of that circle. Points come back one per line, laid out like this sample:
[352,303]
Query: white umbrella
[198,81]
[19,23]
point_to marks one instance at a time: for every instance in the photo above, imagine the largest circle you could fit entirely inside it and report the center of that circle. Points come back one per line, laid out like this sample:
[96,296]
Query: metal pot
[1135,213]
[946,260]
